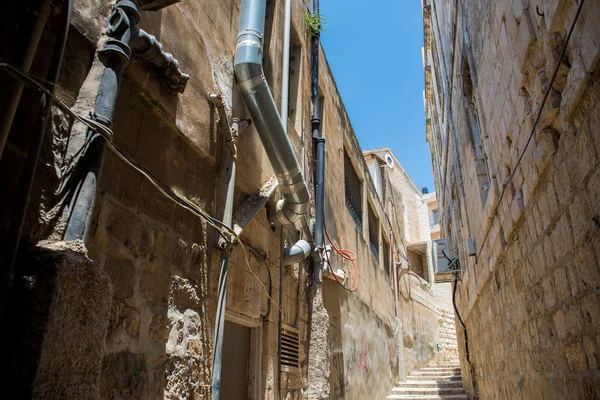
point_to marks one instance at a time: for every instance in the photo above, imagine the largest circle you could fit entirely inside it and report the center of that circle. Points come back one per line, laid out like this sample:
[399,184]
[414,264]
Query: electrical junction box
[471,247]
[328,271]
[440,263]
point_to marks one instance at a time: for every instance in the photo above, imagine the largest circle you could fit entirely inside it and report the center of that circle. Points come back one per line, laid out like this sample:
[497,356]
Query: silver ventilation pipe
[259,100]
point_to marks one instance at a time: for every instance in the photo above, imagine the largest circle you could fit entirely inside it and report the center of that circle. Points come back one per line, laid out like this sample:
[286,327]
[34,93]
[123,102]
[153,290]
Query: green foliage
[315,23]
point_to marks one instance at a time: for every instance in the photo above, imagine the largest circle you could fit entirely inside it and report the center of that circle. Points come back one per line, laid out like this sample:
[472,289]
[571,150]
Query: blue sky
[374,50]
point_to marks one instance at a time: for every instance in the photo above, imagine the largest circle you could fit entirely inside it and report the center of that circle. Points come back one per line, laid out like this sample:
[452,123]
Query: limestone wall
[448,344]
[160,259]
[529,299]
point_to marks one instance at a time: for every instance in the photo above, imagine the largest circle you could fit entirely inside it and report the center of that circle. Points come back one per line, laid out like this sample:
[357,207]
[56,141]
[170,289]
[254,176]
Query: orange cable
[347,255]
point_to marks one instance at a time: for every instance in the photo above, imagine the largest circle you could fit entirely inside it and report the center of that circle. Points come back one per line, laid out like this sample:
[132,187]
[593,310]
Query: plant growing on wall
[315,23]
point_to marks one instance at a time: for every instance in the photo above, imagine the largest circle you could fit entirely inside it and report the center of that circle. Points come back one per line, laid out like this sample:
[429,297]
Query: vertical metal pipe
[393,248]
[398,334]
[15,95]
[280,319]
[217,361]
[320,150]
[285,65]
[115,56]
[227,178]
[257,95]
[93,159]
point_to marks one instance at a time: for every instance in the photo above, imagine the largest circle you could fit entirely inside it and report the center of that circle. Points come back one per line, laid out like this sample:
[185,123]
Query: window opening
[294,98]
[435,218]
[374,233]
[481,165]
[353,191]
[386,259]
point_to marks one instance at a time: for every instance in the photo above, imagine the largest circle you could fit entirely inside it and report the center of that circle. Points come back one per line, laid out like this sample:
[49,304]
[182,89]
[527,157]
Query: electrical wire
[106,133]
[346,254]
[262,255]
[537,120]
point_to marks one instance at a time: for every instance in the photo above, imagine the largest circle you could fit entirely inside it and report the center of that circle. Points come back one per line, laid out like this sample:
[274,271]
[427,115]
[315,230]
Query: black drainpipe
[123,37]
[467,354]
[320,162]
[11,244]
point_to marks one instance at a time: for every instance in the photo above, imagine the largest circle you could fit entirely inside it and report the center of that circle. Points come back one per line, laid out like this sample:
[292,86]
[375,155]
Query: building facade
[419,290]
[511,101]
[128,310]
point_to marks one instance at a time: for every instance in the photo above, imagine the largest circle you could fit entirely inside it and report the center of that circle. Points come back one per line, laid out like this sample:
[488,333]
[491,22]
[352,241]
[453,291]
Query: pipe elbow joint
[296,253]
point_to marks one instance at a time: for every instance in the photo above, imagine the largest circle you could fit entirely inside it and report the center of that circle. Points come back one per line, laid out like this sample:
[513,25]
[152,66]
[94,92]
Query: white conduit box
[440,263]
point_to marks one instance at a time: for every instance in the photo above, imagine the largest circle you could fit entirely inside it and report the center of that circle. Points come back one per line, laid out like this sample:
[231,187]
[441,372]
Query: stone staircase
[439,381]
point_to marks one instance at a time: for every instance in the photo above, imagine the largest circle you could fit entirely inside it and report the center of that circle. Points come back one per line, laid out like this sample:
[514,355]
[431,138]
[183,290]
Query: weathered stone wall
[529,300]
[419,320]
[362,342]
[416,226]
[448,344]
[159,259]
[418,303]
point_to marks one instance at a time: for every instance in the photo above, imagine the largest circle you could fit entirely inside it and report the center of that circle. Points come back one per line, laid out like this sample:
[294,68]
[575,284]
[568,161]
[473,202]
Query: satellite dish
[389,161]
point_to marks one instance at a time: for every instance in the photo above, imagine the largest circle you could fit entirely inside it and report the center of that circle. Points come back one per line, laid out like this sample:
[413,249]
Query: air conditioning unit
[441,264]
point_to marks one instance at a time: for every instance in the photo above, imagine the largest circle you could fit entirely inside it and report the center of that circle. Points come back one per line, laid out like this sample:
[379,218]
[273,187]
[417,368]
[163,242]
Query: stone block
[124,376]
[547,144]
[581,215]
[121,180]
[154,283]
[124,319]
[591,353]
[576,357]
[183,294]
[577,81]
[593,190]
[589,41]
[583,272]
[562,237]
[156,205]
[549,296]
[122,225]
[158,329]
[567,322]
[58,316]
[580,167]
[122,276]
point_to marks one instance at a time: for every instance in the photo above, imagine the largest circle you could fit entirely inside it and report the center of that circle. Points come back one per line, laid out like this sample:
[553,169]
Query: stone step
[437,384]
[427,390]
[443,369]
[429,396]
[442,378]
[435,373]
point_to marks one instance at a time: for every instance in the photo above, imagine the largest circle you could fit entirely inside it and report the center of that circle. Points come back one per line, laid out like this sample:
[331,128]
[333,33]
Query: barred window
[353,191]
[386,259]
[374,233]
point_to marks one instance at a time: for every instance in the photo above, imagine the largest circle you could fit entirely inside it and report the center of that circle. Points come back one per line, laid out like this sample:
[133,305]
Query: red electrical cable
[346,255]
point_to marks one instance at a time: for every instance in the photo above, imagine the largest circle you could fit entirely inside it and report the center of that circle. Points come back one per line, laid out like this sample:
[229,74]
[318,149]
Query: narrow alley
[192,210]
